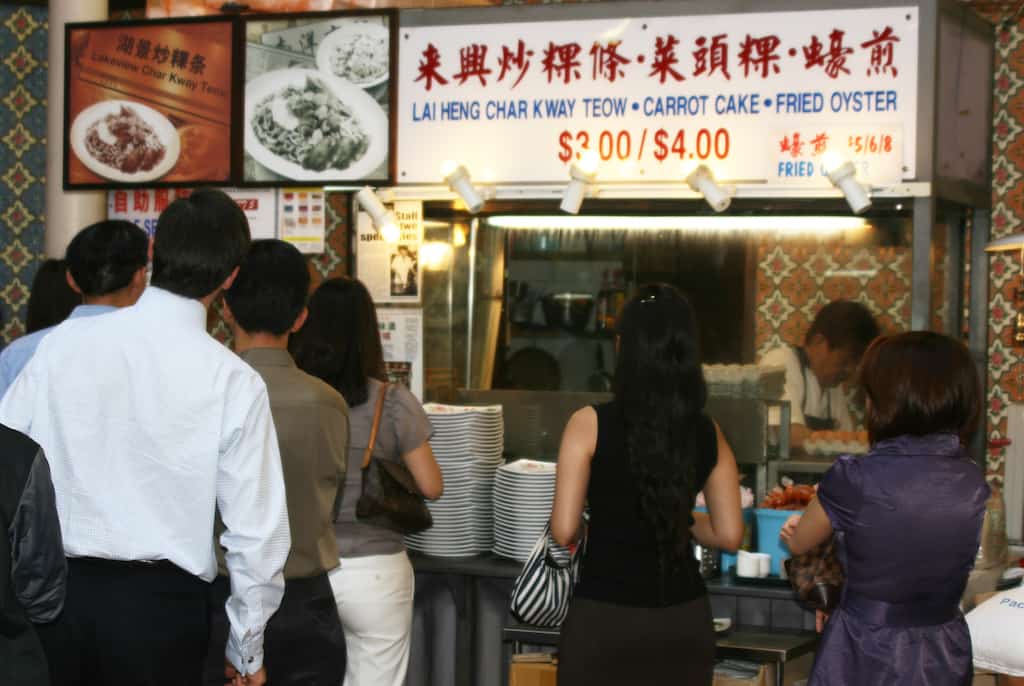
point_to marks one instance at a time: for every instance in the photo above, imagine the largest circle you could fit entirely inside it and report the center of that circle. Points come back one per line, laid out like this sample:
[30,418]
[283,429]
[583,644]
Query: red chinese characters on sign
[665,59]
[760,54]
[819,143]
[121,201]
[429,66]
[161,199]
[834,61]
[560,61]
[140,201]
[796,146]
[607,62]
[709,58]
[518,59]
[473,60]
[881,45]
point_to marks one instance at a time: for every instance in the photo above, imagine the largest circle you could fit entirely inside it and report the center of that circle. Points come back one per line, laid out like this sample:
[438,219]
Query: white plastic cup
[764,564]
[747,564]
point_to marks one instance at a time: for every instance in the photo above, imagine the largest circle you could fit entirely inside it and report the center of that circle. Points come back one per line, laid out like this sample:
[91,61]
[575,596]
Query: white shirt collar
[181,310]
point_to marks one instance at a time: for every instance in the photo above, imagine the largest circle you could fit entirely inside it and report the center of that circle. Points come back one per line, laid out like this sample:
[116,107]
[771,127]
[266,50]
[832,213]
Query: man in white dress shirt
[150,425]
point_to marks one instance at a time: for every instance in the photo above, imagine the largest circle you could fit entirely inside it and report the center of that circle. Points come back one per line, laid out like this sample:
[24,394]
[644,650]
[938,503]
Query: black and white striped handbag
[543,589]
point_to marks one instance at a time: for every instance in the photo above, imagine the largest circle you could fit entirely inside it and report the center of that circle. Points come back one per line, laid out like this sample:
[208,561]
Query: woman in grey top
[373,586]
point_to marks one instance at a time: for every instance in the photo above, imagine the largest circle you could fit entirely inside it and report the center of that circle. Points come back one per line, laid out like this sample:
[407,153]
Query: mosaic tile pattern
[23,46]
[1006,361]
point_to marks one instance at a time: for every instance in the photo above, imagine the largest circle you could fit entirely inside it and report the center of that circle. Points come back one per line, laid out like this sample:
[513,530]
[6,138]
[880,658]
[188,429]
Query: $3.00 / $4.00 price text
[660,144]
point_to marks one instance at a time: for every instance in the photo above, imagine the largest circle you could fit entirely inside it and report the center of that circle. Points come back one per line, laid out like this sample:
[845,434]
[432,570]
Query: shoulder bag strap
[376,425]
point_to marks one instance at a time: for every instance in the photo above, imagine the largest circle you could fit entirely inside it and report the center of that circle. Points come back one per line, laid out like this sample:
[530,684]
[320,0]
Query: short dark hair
[103,257]
[271,288]
[340,341]
[845,325]
[51,298]
[199,240]
[920,383]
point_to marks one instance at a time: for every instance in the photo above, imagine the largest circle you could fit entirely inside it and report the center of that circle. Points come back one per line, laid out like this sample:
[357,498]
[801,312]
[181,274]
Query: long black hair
[659,389]
[340,341]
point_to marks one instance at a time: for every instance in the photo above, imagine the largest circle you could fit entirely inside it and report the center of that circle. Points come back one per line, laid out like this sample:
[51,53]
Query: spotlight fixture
[703,181]
[383,219]
[843,176]
[457,178]
[581,174]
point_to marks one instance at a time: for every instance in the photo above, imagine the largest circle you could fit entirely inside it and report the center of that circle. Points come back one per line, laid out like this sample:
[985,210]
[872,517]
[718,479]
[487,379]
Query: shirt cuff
[248,658]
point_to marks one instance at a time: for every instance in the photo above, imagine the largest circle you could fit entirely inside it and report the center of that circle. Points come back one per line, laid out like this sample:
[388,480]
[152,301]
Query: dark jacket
[33,571]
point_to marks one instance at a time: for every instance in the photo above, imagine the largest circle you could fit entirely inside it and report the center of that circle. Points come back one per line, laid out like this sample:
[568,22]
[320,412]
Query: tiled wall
[1006,361]
[23,47]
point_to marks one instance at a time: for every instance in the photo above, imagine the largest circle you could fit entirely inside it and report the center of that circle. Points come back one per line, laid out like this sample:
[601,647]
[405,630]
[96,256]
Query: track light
[457,178]
[703,181]
[383,219]
[581,174]
[843,176]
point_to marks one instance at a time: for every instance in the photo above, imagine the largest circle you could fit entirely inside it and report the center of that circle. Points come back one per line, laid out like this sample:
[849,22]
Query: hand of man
[234,678]
[789,528]
[819,620]
[257,678]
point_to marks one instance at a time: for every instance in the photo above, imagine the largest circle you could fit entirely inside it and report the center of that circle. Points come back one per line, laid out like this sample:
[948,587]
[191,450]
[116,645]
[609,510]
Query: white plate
[160,124]
[365,109]
[348,32]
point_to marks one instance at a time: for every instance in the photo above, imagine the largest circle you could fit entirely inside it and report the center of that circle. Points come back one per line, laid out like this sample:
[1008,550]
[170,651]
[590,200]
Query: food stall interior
[520,301]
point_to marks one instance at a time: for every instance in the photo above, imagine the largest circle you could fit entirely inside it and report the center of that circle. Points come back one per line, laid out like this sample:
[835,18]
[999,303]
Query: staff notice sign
[148,103]
[656,94]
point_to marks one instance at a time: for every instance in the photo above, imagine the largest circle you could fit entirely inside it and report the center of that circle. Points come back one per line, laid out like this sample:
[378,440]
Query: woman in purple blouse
[907,518]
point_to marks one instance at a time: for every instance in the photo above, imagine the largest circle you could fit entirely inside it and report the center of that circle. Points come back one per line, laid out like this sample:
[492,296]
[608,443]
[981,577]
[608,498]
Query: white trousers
[374,596]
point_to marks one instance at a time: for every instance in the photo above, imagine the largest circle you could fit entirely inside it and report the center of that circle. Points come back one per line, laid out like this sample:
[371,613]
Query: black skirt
[604,643]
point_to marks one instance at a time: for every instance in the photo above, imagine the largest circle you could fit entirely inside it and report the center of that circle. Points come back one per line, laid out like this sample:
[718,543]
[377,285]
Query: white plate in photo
[264,101]
[96,115]
[357,52]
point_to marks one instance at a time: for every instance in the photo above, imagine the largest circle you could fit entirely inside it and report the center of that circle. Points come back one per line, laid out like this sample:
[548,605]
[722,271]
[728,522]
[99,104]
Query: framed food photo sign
[148,104]
[318,98]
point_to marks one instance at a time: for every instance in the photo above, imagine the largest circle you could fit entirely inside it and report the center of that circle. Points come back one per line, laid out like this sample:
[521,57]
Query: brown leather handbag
[817,576]
[389,496]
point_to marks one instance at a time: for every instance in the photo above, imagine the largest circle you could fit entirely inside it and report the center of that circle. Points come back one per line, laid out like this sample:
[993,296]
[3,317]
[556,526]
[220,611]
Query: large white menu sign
[756,96]
[401,336]
[391,270]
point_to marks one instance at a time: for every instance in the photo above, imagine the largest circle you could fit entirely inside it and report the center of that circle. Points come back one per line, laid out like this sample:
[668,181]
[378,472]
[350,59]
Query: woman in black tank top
[640,614]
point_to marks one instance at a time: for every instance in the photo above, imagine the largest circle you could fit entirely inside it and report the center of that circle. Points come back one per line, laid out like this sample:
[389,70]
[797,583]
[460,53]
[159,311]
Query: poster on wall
[302,218]
[142,207]
[401,336]
[148,103]
[318,93]
[758,96]
[391,270]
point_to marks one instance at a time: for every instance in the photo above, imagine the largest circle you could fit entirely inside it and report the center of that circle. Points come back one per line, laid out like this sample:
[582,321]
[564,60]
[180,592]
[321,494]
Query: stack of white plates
[523,491]
[467,444]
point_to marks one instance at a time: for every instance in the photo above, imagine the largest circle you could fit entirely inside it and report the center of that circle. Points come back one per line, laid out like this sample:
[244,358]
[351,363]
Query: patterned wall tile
[23,45]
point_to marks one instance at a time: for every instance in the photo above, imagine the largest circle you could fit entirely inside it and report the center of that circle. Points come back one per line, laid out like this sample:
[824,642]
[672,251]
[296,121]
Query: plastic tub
[769,526]
[729,559]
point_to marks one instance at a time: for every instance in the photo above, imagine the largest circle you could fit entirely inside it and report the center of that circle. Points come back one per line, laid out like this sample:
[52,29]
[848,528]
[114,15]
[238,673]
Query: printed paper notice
[391,271]
[401,335]
[302,218]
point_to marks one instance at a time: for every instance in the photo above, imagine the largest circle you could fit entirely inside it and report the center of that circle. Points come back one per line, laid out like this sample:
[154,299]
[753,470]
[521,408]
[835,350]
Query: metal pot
[568,310]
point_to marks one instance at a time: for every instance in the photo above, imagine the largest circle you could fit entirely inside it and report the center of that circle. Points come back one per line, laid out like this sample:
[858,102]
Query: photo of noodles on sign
[317,99]
[148,103]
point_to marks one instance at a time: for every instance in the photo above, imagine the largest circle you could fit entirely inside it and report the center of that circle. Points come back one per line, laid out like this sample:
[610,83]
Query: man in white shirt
[832,349]
[150,425]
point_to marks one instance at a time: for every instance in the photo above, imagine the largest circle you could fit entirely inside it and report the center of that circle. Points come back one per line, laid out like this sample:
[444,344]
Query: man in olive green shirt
[304,642]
